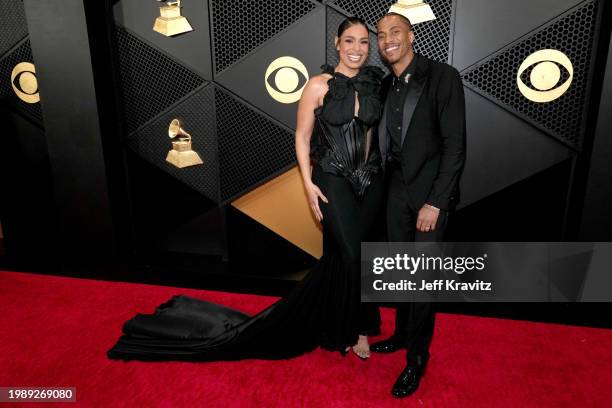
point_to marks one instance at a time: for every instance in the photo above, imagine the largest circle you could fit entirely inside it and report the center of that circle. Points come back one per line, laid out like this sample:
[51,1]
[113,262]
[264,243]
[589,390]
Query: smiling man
[422,142]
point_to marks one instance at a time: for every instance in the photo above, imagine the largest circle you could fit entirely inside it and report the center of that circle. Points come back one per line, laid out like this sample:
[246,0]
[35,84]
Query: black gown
[324,309]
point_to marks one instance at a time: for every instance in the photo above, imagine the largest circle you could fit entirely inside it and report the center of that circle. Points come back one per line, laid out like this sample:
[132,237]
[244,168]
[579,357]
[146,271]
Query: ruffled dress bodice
[342,143]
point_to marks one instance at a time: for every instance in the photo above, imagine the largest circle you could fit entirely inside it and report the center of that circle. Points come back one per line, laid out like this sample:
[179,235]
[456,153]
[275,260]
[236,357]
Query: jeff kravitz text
[435,285]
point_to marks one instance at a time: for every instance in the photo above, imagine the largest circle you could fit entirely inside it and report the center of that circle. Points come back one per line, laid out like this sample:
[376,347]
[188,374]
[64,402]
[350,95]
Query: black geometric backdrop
[246,146]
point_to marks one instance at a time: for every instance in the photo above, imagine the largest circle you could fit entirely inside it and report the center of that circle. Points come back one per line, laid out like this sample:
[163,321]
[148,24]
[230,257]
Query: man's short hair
[403,18]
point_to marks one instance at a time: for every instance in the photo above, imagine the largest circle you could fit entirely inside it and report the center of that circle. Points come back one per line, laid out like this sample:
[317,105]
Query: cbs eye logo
[24,82]
[545,75]
[285,79]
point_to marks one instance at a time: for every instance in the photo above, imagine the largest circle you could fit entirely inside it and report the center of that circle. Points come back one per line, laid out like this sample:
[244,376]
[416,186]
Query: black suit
[431,160]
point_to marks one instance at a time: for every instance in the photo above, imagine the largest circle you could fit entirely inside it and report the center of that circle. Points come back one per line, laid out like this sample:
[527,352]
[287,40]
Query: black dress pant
[414,322]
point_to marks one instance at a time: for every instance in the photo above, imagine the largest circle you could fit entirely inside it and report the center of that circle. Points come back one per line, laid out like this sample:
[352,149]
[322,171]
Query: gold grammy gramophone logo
[416,11]
[545,75]
[24,82]
[285,79]
[181,154]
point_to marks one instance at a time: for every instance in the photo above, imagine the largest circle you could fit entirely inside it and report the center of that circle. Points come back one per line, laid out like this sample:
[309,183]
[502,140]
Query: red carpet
[55,332]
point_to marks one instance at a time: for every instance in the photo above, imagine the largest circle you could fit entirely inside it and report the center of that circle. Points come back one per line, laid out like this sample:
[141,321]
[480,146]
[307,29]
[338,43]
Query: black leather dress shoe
[408,381]
[388,346]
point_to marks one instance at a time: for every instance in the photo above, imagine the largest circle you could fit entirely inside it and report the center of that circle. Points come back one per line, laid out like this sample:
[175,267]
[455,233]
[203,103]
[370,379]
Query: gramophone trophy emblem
[415,10]
[171,22]
[181,154]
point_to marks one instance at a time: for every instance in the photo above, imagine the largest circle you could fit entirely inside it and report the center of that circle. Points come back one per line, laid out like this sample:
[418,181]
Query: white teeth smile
[354,58]
[392,48]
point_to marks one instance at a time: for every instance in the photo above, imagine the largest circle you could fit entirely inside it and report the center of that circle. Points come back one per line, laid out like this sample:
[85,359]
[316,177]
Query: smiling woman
[337,113]
[352,44]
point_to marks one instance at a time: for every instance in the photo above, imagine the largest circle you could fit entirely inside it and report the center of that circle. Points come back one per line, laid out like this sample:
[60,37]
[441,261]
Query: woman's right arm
[310,100]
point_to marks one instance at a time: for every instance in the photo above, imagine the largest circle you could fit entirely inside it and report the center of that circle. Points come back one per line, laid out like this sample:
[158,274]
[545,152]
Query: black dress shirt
[395,99]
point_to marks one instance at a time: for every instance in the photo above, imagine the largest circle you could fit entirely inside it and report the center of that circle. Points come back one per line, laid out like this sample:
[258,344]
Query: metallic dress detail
[342,143]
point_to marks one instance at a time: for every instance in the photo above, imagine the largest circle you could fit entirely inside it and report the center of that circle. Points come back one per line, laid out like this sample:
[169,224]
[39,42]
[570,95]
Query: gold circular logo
[24,82]
[285,79]
[545,75]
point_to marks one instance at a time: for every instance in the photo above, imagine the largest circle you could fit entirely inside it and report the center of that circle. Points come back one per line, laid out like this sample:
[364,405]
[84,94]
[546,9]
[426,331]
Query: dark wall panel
[597,218]
[240,27]
[72,128]
[528,211]
[13,23]
[483,27]
[151,81]
[27,205]
[252,147]
[502,150]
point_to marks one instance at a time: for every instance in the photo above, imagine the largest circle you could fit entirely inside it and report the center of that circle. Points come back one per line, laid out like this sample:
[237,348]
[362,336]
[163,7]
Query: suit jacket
[433,134]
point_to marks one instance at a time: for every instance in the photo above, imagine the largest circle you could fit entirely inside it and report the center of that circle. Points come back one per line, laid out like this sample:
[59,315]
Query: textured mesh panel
[369,10]
[432,37]
[21,53]
[197,116]
[251,147]
[242,25]
[563,118]
[333,21]
[151,81]
[12,23]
